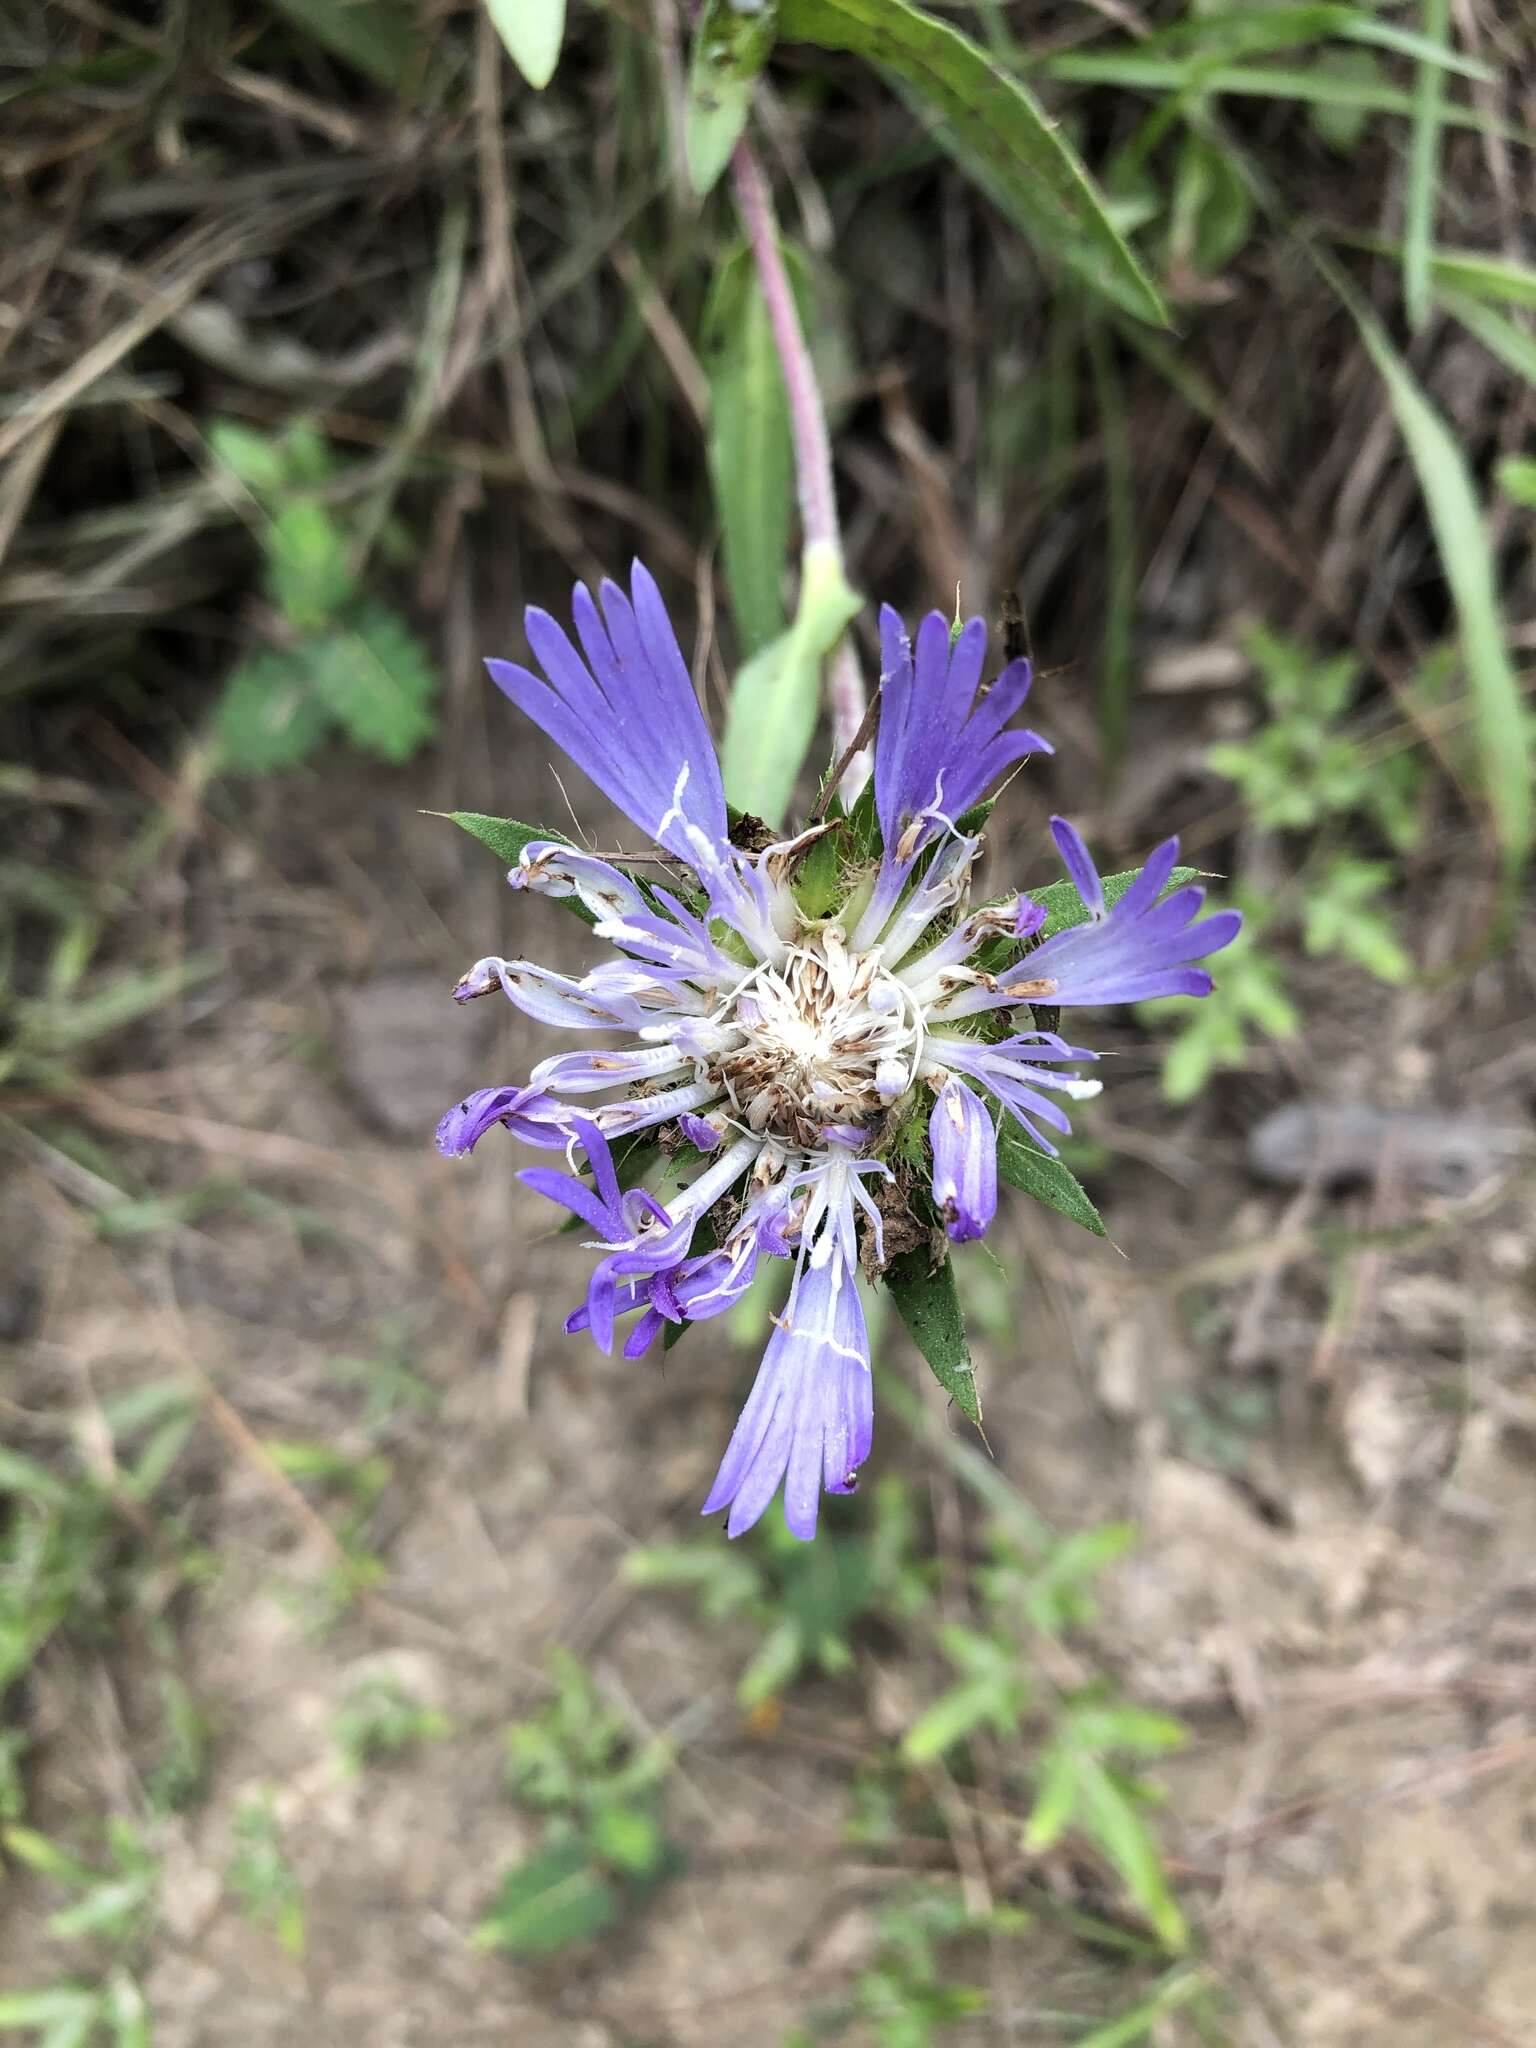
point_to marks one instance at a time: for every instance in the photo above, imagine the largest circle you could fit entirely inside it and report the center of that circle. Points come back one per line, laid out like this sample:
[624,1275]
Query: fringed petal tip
[964,1144]
[622,706]
[528,1114]
[809,1419]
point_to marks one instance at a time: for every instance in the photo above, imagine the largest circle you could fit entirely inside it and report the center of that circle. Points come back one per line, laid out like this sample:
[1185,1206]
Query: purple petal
[964,1145]
[1079,864]
[809,1419]
[1028,918]
[626,714]
[527,1112]
[574,1195]
[584,1073]
[940,747]
[548,867]
[643,1335]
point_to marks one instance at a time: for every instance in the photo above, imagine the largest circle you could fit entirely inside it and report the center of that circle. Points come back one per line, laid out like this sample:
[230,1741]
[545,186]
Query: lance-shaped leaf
[777,696]
[751,456]
[995,130]
[506,837]
[730,47]
[928,1303]
[1026,1167]
[531,30]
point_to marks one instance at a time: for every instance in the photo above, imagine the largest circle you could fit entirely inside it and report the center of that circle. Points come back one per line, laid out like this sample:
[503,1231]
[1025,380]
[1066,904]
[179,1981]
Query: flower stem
[808,423]
[813,449]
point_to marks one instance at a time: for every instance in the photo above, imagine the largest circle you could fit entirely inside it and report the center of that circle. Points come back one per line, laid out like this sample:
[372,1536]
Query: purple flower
[783,1054]
[964,1161]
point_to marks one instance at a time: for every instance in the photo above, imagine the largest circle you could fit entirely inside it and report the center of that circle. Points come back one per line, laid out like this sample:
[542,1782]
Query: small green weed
[1077,1738]
[903,1997]
[1302,771]
[381,1719]
[262,1878]
[110,1909]
[606,1850]
[344,661]
[805,1599]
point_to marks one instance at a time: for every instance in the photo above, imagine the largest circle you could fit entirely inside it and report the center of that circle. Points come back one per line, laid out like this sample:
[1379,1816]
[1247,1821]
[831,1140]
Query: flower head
[781,1064]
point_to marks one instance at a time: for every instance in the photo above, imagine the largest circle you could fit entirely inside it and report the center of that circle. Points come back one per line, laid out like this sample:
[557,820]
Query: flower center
[826,1037]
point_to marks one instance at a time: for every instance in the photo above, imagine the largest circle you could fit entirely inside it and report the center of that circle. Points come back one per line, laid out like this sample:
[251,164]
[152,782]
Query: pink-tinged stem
[808,429]
[808,424]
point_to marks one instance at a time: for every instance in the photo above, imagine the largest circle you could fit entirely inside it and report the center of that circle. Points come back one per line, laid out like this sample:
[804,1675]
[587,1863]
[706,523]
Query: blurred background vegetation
[364,1667]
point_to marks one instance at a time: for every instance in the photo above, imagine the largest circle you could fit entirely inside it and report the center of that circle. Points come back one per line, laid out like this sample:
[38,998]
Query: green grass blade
[1119,622]
[1423,170]
[1485,277]
[1235,32]
[776,697]
[1496,331]
[1316,87]
[994,128]
[1499,721]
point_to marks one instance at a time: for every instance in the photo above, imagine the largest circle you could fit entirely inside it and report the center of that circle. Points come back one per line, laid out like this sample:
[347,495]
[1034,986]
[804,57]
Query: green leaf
[751,457]
[1517,479]
[1109,1816]
[1423,167]
[1055,1800]
[22,1475]
[730,48]
[1180,1987]
[1500,727]
[994,128]
[1250,31]
[376,37]
[506,837]
[532,31]
[818,883]
[629,1838]
[1346,88]
[127,2012]
[929,1305]
[256,459]
[376,681]
[1481,276]
[309,563]
[26,1845]
[269,716]
[1340,917]
[550,1901]
[776,698]
[1496,331]
[1024,1166]
[951,1719]
[56,2006]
